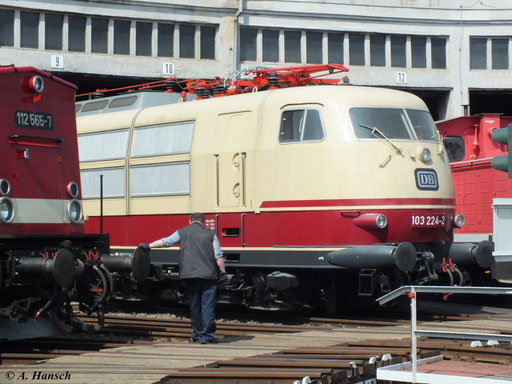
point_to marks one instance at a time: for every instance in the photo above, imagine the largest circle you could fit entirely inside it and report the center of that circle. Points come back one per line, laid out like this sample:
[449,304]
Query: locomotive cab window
[301,125]
[454,147]
[393,123]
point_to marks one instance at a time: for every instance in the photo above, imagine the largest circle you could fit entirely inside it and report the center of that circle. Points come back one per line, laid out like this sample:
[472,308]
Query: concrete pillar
[88,35]
[17,29]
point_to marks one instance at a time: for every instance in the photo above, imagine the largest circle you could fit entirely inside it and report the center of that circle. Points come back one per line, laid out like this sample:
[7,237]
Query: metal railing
[412,291]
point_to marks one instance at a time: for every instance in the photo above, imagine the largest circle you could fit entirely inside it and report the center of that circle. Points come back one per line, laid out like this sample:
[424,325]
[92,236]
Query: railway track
[345,363]
[16,352]
[348,362]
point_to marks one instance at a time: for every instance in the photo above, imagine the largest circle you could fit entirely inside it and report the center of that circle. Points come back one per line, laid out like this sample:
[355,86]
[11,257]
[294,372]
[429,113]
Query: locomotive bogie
[332,179]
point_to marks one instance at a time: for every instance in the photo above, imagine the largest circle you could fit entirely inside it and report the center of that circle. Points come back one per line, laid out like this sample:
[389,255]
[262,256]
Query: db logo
[426,179]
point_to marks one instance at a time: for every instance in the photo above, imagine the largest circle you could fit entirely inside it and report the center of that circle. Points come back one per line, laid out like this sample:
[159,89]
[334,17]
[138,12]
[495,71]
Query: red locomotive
[471,150]
[46,259]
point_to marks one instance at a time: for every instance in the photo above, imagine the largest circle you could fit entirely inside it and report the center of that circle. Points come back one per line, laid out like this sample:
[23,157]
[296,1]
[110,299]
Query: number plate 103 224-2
[427,221]
[36,120]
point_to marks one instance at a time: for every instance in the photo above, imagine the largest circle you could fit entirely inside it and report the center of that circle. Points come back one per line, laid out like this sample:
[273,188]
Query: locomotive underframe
[302,279]
[40,273]
[40,276]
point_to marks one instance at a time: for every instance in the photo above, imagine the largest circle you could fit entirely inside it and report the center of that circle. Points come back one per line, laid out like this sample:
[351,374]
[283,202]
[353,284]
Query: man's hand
[144,245]
[223,278]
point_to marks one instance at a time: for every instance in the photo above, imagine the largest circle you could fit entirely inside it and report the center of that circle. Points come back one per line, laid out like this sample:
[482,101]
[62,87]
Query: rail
[411,292]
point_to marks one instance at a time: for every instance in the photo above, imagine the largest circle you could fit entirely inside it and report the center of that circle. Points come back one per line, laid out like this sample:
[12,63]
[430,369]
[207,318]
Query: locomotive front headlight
[371,221]
[5,187]
[36,84]
[459,220]
[74,211]
[7,211]
[381,221]
[424,154]
[73,190]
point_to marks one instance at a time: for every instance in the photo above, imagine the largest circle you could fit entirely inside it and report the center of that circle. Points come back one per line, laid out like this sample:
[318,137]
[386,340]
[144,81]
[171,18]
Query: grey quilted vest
[197,257]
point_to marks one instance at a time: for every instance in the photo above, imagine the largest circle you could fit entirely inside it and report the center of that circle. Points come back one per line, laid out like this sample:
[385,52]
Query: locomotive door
[233,145]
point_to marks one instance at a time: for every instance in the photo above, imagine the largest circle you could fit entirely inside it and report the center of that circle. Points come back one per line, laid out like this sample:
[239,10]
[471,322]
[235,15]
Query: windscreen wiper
[386,137]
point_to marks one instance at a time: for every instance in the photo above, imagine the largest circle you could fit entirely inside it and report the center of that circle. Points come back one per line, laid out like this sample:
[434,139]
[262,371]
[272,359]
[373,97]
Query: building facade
[455,54]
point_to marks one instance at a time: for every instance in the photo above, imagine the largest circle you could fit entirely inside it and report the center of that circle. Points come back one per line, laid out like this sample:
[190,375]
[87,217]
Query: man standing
[201,260]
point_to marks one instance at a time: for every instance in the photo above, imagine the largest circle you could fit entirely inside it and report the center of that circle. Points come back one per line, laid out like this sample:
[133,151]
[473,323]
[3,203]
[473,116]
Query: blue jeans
[201,295]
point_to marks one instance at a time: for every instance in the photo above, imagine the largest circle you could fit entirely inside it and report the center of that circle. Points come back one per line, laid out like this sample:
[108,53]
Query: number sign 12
[401,77]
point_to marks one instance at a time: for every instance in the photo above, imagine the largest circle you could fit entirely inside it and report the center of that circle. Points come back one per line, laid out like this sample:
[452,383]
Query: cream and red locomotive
[317,193]
[46,259]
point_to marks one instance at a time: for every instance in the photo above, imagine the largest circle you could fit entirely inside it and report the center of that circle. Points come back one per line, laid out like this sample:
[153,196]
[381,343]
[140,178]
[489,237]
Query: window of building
[301,125]
[99,35]
[419,52]
[356,49]
[398,58]
[6,28]
[314,47]
[438,52]
[377,50]
[121,37]
[455,147]
[143,38]
[29,29]
[53,31]
[499,53]
[160,179]
[292,52]
[207,42]
[187,41]
[335,47]
[248,44]
[270,45]
[76,33]
[478,53]
[165,40]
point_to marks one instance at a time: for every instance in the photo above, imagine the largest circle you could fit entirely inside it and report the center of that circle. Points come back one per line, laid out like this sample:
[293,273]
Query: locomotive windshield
[394,123]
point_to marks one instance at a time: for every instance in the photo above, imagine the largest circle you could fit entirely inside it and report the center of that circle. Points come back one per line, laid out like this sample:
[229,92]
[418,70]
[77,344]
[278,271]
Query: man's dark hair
[196,216]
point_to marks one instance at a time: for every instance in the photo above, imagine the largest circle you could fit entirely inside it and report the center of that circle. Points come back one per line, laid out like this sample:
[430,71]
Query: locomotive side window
[313,127]
[113,183]
[122,102]
[103,146]
[95,105]
[455,147]
[168,139]
[160,179]
[291,123]
[301,125]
